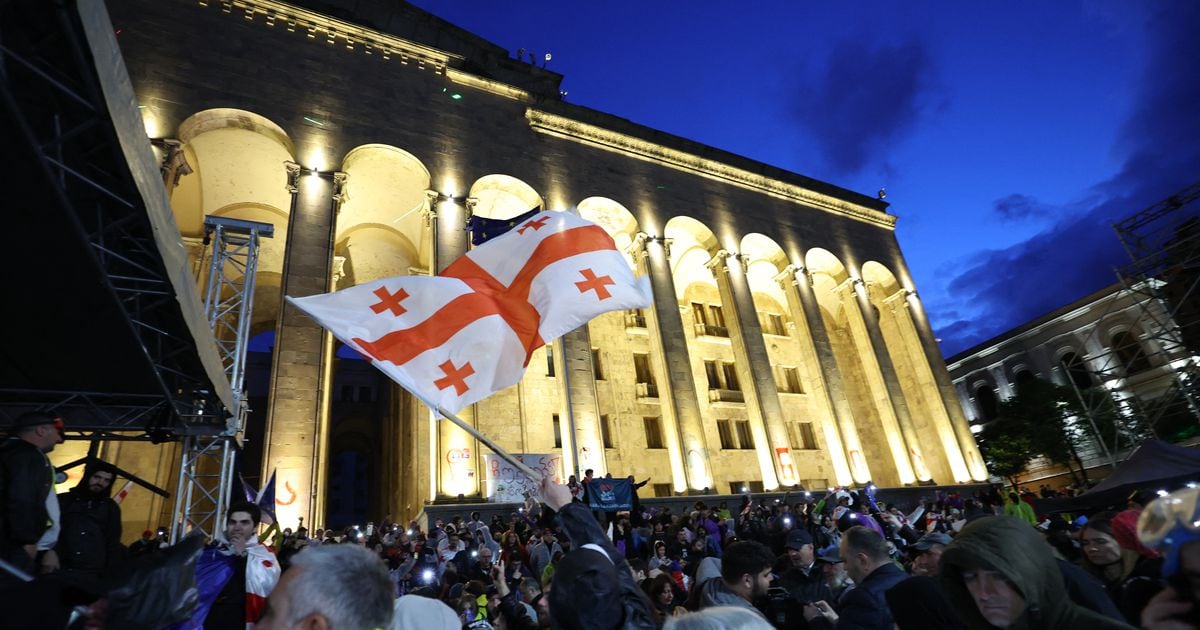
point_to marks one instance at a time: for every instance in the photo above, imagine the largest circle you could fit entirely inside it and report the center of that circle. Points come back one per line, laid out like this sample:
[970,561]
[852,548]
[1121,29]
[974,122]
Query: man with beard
[745,577]
[89,543]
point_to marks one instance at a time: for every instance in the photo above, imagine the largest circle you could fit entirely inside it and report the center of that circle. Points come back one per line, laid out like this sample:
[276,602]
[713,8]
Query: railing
[708,330]
[726,395]
[647,390]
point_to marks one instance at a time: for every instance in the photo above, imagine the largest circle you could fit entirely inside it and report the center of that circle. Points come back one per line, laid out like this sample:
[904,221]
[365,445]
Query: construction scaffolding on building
[1145,383]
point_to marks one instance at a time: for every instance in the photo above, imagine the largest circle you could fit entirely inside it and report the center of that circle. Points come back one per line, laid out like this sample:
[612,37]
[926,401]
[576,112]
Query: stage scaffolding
[1147,385]
[206,466]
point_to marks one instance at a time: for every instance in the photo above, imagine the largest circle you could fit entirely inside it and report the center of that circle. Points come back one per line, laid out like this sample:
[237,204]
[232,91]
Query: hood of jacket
[1013,548]
[713,592]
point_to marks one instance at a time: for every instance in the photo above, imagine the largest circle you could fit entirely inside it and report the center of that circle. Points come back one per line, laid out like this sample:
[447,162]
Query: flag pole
[465,426]
[505,455]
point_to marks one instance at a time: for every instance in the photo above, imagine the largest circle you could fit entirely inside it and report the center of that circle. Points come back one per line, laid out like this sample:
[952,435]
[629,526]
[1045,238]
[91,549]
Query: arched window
[985,399]
[1024,376]
[1129,351]
[1076,370]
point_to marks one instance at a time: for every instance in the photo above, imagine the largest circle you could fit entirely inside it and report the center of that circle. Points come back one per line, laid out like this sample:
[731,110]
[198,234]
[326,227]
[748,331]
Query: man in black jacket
[803,579]
[865,553]
[26,484]
[89,544]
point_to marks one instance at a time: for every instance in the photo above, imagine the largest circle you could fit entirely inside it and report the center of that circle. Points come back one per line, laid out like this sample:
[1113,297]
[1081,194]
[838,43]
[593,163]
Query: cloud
[1018,207]
[997,290]
[864,100]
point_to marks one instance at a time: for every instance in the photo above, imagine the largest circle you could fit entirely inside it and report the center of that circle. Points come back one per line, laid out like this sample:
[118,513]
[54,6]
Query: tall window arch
[1076,370]
[1130,352]
[985,399]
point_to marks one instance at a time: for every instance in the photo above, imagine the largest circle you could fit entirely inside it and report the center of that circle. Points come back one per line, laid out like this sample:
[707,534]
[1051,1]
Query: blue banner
[609,495]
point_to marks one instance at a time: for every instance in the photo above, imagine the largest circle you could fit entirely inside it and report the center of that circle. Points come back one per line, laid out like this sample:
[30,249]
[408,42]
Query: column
[855,468]
[457,451]
[581,408]
[297,414]
[682,422]
[895,393]
[771,443]
[933,357]
[850,292]
[898,309]
[1005,388]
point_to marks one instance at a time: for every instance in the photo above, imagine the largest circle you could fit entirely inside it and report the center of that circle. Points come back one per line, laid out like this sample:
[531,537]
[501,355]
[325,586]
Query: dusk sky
[1008,135]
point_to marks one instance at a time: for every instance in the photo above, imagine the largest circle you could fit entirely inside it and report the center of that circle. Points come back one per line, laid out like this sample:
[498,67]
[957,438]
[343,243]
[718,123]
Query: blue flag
[610,495]
[483,229]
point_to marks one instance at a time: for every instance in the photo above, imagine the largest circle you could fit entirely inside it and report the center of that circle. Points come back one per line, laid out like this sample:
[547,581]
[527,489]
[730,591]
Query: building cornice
[570,129]
[337,32]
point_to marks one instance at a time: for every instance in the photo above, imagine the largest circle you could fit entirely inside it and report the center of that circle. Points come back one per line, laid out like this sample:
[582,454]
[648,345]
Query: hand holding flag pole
[458,337]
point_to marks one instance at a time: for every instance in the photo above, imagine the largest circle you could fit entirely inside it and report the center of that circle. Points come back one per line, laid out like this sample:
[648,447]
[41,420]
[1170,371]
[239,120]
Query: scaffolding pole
[206,464]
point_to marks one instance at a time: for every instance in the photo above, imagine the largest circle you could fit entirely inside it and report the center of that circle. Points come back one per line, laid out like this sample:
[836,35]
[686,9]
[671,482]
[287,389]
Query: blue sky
[1008,135]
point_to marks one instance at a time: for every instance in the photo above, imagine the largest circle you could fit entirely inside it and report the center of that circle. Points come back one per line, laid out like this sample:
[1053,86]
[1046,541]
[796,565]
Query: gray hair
[345,584]
[719,618]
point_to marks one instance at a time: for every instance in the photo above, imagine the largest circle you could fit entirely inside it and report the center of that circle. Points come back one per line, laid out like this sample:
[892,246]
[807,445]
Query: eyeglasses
[1180,509]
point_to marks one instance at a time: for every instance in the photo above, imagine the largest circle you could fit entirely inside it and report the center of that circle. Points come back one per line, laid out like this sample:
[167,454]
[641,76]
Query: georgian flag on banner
[456,338]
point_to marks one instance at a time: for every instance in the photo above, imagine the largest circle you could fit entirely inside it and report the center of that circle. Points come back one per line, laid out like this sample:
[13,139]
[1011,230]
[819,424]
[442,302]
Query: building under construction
[1128,352]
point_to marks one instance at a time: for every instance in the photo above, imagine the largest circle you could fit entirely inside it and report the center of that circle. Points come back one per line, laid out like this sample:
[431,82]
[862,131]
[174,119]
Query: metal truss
[1162,399]
[229,298]
[202,491]
[51,91]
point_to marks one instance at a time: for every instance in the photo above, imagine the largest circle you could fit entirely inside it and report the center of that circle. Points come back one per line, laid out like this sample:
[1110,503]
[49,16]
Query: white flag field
[456,338]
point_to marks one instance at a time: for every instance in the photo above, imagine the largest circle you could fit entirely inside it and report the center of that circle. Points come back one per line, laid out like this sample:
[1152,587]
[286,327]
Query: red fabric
[1124,528]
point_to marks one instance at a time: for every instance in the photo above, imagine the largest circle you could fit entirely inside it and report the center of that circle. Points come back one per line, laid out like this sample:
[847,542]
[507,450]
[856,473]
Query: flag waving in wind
[458,337]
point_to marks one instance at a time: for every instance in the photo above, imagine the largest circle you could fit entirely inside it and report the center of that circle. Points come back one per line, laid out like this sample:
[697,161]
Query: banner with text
[503,483]
[610,495]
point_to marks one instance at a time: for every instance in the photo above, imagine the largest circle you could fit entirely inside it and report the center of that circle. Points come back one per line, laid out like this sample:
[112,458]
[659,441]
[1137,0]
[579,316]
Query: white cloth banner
[503,483]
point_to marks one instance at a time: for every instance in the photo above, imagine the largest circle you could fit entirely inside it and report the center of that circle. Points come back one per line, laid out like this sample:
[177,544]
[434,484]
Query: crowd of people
[838,558]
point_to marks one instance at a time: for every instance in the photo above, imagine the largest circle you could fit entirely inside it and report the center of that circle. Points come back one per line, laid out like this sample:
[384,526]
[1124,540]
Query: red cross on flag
[458,337]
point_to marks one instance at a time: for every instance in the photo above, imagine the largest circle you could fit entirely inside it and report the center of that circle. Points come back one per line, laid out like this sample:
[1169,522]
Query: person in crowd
[1169,525]
[803,579]
[1130,571]
[28,505]
[927,552]
[593,581]
[919,603]
[333,587]
[89,542]
[663,595]
[999,573]
[865,553]
[234,576]
[423,613]
[143,545]
[745,576]
[833,570]
[1018,508]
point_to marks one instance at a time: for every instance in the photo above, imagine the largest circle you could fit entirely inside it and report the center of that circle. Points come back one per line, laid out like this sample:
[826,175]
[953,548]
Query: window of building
[730,374]
[550,361]
[787,379]
[654,436]
[364,393]
[738,487]
[773,324]
[1076,370]
[347,393]
[662,490]
[605,432]
[745,437]
[713,373]
[726,433]
[985,400]
[1024,377]
[644,376]
[709,319]
[803,436]
[557,432]
[756,486]
[814,484]
[635,318]
[597,373]
[1130,352]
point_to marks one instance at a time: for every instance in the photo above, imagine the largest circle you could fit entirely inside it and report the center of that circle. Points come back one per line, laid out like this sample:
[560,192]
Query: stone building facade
[786,344]
[1116,340]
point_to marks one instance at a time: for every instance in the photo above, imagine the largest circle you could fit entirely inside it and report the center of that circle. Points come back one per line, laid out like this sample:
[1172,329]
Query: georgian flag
[456,338]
